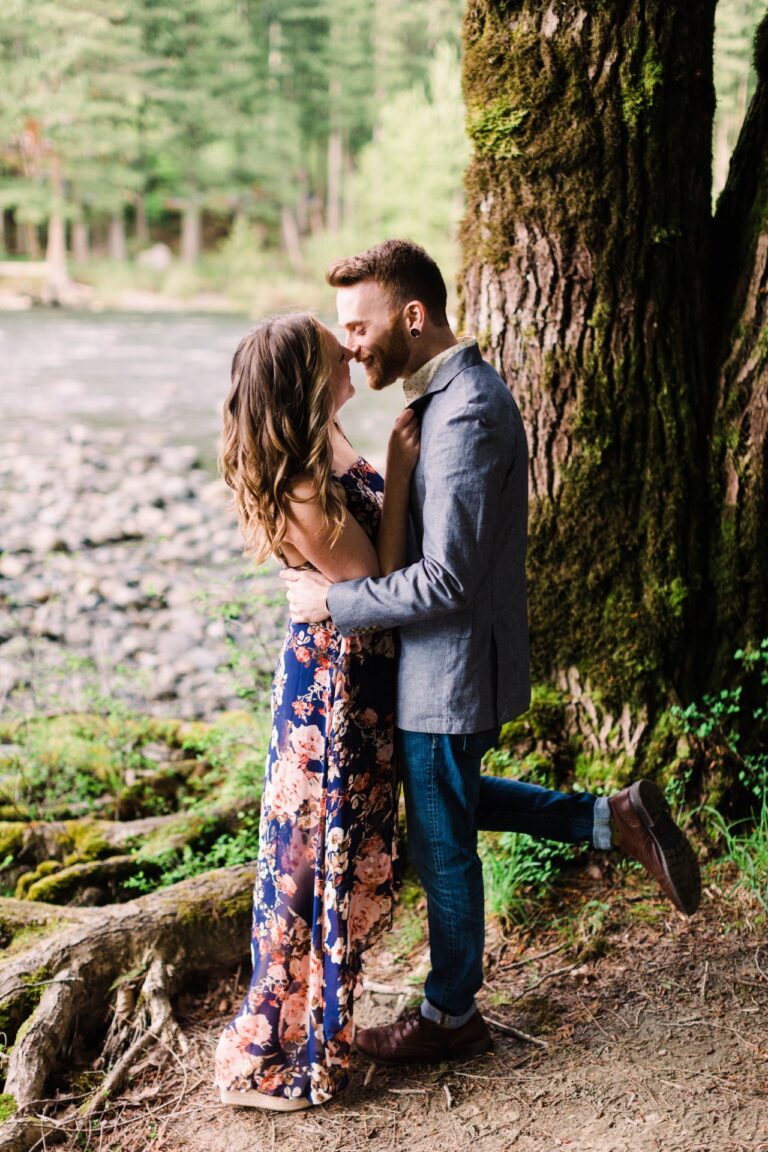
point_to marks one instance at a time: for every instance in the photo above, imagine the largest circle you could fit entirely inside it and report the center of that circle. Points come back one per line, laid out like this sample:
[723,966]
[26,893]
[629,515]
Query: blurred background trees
[272,132]
[264,124]
[735,77]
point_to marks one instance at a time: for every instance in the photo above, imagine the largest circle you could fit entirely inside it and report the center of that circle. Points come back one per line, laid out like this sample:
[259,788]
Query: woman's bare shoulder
[301,487]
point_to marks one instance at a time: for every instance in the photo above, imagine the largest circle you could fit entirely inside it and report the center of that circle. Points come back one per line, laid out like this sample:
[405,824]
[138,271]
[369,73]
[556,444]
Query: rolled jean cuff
[429,1012]
[601,828]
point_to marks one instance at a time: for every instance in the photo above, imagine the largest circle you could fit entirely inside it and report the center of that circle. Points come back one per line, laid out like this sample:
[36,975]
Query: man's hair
[403,269]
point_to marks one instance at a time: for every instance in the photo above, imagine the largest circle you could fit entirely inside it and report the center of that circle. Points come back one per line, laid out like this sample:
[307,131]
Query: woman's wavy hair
[277,420]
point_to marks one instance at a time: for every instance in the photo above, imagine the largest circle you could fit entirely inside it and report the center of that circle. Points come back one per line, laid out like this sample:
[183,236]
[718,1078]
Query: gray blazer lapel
[467,358]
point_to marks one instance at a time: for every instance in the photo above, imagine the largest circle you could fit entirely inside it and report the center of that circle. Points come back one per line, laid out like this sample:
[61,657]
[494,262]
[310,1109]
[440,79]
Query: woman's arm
[351,556]
[402,454]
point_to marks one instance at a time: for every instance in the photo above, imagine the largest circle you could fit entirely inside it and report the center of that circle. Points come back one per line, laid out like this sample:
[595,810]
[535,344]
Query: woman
[324,887]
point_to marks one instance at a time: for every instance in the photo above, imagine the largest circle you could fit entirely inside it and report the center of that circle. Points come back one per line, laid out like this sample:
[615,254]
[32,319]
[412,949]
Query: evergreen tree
[409,178]
[735,79]
[200,92]
[67,118]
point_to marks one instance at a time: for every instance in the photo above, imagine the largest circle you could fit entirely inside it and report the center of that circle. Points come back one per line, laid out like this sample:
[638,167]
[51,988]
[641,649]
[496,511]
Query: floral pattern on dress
[323,892]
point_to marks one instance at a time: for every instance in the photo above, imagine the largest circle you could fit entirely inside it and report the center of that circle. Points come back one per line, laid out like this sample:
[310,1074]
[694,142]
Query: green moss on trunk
[585,259]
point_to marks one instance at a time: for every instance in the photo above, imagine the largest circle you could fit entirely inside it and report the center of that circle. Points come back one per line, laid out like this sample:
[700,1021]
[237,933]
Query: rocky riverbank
[122,577]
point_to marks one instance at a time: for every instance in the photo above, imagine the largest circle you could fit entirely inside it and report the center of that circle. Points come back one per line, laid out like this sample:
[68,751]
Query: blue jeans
[447,801]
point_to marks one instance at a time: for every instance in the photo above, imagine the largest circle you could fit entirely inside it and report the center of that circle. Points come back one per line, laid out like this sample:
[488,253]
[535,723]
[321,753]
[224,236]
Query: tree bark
[56,250]
[739,561]
[117,246]
[586,256]
[291,240]
[81,241]
[191,233]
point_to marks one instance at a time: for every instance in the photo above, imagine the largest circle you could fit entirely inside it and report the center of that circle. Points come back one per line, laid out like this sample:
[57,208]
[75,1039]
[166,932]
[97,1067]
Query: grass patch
[745,844]
[519,873]
[8,1106]
[123,765]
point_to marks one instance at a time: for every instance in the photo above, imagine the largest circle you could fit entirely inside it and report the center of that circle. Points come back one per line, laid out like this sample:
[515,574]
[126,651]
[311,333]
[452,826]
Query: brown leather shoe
[416,1040]
[646,830]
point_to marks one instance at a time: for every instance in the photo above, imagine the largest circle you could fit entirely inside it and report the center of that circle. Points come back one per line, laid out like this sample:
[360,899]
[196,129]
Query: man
[460,607]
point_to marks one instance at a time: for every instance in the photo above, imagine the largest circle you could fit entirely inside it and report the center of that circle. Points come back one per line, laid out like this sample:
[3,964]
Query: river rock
[77,634]
[11,677]
[157,258]
[120,552]
[13,566]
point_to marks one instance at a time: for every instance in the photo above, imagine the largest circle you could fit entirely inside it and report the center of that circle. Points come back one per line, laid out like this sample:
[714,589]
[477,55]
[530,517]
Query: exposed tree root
[87,861]
[56,839]
[47,1033]
[24,1132]
[153,1023]
[110,973]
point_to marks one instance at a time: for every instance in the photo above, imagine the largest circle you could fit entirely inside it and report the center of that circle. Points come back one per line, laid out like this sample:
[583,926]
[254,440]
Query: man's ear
[415,314]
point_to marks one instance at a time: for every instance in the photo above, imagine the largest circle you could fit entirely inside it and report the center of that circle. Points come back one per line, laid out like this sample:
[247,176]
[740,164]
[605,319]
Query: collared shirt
[417,384]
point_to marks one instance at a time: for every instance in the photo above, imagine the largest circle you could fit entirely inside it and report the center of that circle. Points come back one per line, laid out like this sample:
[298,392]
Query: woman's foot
[253,1099]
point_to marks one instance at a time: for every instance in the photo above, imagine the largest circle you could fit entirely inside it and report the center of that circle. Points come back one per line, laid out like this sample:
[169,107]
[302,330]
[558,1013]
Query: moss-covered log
[585,274]
[67,981]
[87,861]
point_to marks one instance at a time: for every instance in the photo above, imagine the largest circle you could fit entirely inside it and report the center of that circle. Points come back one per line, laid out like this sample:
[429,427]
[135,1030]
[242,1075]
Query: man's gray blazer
[460,605]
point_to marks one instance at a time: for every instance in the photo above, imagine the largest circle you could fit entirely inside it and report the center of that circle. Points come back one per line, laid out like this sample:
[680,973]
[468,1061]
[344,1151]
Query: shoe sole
[253,1099]
[479,1048]
[681,868]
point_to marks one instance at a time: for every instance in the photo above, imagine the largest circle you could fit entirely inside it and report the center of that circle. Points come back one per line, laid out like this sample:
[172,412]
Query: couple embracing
[406,652]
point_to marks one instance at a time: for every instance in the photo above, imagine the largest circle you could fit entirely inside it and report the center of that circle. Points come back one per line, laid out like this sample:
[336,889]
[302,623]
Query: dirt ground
[656,1034]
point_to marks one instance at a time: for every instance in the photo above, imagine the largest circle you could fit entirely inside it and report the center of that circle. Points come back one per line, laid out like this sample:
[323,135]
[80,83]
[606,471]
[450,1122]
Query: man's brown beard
[388,361]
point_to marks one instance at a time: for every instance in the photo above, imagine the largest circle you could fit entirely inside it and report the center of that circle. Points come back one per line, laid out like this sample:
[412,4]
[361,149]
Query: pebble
[116,559]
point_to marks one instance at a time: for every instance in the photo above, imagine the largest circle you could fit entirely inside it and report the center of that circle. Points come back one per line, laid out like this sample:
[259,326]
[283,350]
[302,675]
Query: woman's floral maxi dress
[323,892]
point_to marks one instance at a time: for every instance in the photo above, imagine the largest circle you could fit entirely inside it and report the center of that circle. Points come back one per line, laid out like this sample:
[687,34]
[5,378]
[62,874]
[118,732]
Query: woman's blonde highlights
[277,420]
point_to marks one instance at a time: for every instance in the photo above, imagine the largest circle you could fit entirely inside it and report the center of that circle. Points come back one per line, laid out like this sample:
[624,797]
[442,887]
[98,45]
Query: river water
[120,557]
[168,373]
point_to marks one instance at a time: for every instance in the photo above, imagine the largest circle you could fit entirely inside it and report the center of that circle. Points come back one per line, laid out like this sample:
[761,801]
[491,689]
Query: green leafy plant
[249,657]
[736,719]
[234,748]
[724,717]
[675,789]
[170,867]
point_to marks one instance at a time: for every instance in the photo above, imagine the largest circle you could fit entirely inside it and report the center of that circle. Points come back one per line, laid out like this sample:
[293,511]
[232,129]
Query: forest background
[255,139]
[213,156]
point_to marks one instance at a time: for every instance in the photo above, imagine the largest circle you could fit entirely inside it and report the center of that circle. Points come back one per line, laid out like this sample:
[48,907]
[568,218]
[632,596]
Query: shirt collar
[417,384]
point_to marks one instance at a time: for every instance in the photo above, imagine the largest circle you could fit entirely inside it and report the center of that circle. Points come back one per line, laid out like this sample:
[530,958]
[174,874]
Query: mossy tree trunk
[588,275]
[739,462]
